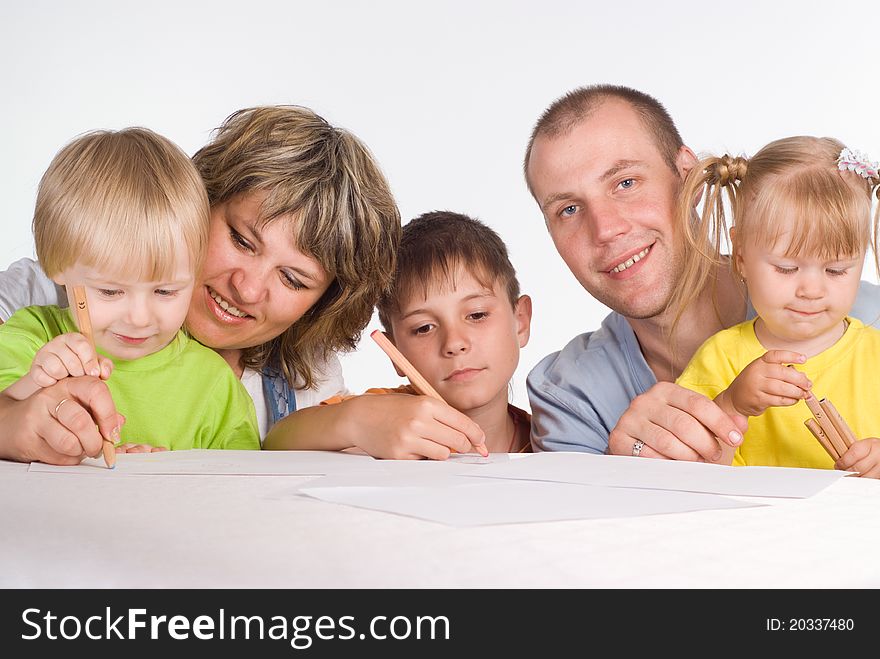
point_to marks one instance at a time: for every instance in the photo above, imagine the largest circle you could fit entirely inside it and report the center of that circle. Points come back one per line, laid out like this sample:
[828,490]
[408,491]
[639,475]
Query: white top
[331,384]
[253,383]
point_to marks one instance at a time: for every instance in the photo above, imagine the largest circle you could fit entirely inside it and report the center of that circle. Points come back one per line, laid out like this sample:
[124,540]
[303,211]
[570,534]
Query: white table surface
[75,530]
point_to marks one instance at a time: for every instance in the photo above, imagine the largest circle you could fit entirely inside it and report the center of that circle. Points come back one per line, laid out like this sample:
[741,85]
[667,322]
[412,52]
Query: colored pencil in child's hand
[846,434]
[829,427]
[819,434]
[84,321]
[418,382]
[824,422]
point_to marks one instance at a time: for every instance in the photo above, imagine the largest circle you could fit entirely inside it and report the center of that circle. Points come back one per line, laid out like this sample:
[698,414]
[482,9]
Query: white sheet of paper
[396,479]
[511,502]
[624,471]
[205,462]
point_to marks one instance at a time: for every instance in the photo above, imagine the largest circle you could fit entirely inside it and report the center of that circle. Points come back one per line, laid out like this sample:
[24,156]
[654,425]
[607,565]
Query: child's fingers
[106,366]
[424,448]
[449,438]
[88,358]
[138,448]
[47,369]
[75,353]
[857,456]
[868,467]
[869,470]
[783,357]
[473,435]
[783,390]
[793,376]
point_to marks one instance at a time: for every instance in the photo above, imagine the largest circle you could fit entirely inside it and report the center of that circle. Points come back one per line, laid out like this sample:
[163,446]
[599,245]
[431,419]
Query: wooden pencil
[840,425]
[85,327]
[819,434]
[826,425]
[418,382]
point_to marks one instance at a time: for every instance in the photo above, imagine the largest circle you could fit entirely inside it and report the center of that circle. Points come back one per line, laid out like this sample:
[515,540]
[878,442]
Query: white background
[444,93]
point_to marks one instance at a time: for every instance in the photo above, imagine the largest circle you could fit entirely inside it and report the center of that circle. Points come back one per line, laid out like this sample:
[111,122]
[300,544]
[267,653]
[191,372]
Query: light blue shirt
[578,394]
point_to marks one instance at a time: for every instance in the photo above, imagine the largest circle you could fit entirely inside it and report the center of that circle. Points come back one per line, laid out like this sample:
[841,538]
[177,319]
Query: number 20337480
[809,624]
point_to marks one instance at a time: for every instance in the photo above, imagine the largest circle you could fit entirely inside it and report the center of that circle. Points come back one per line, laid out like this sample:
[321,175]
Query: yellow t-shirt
[846,374]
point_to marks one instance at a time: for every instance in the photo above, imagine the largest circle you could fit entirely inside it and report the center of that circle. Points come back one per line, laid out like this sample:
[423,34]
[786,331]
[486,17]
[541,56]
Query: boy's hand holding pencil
[418,382]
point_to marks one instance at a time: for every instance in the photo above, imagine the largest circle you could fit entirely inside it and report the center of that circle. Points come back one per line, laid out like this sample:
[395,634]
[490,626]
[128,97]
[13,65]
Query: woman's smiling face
[255,282]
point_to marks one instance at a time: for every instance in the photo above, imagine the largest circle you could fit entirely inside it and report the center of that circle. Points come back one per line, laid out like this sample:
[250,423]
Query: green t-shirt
[184,396]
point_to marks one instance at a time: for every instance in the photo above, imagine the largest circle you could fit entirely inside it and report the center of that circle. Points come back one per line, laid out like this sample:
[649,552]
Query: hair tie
[730,169]
[858,162]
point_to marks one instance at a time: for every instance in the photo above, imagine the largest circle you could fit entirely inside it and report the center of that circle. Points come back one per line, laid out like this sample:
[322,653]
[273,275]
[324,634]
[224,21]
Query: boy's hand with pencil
[766,382]
[405,427]
[478,441]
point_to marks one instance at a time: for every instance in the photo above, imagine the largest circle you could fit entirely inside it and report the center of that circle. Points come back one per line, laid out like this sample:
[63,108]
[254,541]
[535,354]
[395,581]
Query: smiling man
[605,165]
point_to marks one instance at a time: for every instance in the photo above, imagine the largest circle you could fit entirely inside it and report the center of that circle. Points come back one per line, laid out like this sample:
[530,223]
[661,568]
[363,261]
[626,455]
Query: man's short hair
[566,112]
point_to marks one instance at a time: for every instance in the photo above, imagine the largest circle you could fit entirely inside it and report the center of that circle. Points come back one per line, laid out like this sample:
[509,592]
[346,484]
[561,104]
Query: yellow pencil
[85,327]
[418,382]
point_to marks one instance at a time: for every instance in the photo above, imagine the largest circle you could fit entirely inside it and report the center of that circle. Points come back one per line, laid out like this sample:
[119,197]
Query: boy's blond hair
[433,245]
[792,182]
[343,214]
[120,201]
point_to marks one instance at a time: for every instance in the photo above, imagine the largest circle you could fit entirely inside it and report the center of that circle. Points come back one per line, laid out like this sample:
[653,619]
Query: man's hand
[677,424]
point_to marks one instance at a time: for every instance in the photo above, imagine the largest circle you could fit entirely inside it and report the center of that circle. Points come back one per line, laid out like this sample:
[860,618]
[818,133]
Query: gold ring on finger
[58,406]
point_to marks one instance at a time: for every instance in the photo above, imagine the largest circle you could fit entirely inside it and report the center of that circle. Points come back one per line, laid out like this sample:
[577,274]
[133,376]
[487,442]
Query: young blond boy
[456,313]
[125,214]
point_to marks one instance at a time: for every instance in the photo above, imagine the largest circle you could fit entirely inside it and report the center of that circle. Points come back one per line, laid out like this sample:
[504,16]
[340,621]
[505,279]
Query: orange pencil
[819,434]
[840,425]
[826,425]
[418,382]
[85,327]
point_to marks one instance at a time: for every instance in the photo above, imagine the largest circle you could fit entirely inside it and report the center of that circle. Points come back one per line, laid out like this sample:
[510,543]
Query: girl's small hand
[863,457]
[68,355]
[139,448]
[768,382]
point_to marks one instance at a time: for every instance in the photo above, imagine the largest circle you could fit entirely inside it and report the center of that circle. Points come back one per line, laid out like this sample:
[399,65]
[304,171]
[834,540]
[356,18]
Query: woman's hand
[60,424]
